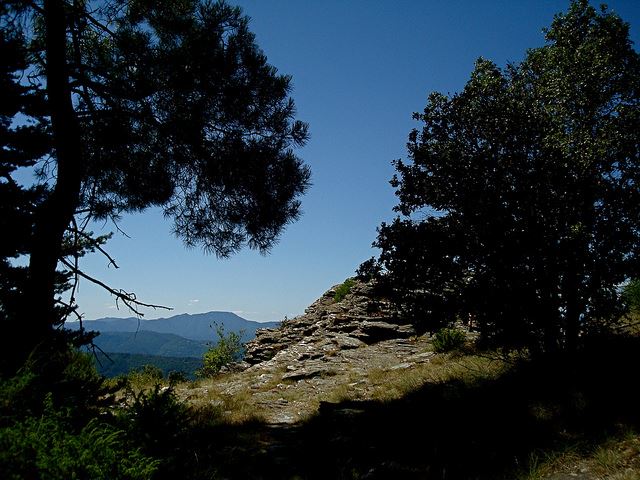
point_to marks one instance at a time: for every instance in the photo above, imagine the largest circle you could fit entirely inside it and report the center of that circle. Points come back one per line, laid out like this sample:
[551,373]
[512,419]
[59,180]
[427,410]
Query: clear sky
[360,68]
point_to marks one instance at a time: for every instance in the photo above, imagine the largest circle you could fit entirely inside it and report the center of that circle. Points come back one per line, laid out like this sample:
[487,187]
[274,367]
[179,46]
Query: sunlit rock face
[328,326]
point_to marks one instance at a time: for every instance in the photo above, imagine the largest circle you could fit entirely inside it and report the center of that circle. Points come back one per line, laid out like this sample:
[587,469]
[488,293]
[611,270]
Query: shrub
[66,378]
[155,419]
[344,289]
[49,446]
[228,349]
[631,295]
[448,339]
[144,377]
[53,424]
[176,376]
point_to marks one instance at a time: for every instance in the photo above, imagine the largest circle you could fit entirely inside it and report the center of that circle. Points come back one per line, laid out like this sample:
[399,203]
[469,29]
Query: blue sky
[360,69]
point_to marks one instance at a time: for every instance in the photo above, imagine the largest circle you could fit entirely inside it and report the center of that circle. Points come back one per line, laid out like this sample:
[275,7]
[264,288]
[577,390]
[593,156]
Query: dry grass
[631,323]
[389,385]
[230,406]
[384,384]
[534,421]
[251,395]
[618,458]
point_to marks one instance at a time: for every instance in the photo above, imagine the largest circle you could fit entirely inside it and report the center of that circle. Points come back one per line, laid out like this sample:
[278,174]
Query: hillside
[115,364]
[345,391]
[132,342]
[196,327]
[150,343]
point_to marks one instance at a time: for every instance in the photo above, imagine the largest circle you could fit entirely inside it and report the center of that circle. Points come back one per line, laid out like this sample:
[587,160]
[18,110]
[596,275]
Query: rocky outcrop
[336,349]
[327,326]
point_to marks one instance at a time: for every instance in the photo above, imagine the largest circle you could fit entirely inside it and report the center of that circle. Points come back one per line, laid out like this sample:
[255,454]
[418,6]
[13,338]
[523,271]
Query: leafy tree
[123,105]
[520,201]
[228,349]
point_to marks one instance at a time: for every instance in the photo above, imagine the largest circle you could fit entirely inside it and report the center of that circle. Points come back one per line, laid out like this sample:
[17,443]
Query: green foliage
[448,339]
[150,343]
[143,377]
[51,427]
[125,363]
[179,110]
[369,269]
[177,377]
[343,289]
[520,201]
[152,372]
[65,377]
[21,145]
[227,350]
[158,424]
[47,446]
[631,295]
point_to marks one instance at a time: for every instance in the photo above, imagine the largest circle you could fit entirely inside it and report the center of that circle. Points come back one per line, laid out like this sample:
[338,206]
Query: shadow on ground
[484,430]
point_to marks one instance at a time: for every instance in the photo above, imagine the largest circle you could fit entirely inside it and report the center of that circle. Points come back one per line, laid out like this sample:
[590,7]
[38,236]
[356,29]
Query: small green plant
[631,295]
[228,349]
[448,339]
[343,289]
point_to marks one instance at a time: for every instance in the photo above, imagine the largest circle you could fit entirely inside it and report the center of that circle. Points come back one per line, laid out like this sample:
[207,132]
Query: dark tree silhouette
[520,201]
[146,103]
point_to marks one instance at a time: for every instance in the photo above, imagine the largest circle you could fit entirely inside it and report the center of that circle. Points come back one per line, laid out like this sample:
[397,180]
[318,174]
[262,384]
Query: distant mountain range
[196,327]
[150,343]
[181,336]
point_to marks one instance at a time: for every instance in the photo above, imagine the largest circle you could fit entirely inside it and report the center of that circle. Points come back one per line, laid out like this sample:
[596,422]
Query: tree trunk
[56,213]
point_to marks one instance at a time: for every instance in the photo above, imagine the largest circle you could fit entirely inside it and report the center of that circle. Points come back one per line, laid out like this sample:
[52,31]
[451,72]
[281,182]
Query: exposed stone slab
[308,372]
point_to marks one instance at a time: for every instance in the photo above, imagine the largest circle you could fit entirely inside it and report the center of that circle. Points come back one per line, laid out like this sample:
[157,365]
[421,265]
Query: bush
[448,339]
[155,420]
[228,349]
[50,446]
[143,378]
[66,378]
[631,295]
[176,376]
[344,289]
[43,447]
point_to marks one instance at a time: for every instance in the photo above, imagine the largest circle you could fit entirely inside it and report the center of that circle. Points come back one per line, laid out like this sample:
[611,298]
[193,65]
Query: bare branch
[128,298]
[95,347]
[94,243]
[95,22]
[72,309]
[115,224]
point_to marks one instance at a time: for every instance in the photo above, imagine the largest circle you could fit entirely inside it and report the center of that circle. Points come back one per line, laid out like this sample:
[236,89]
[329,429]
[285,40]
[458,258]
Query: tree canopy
[124,105]
[519,203]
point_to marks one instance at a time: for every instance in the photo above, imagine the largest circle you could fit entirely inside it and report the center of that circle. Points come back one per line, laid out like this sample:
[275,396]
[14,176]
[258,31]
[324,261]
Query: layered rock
[360,318]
